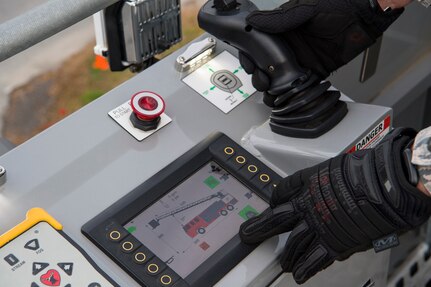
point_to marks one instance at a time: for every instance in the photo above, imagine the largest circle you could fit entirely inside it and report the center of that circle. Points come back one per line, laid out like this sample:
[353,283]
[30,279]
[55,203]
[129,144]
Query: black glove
[323,34]
[339,207]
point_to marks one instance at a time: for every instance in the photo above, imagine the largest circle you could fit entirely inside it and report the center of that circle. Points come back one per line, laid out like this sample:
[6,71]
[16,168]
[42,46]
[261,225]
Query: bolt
[2,175]
[181,60]
[211,40]
[271,69]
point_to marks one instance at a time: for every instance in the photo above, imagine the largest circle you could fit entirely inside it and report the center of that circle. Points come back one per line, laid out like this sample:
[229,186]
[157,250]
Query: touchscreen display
[196,218]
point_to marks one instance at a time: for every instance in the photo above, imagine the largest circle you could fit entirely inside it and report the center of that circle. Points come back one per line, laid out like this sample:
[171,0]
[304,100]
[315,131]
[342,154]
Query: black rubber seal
[316,109]
[303,99]
[315,128]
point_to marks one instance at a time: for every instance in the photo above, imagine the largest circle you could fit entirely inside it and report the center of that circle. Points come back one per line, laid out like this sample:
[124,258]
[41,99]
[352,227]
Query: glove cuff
[409,202]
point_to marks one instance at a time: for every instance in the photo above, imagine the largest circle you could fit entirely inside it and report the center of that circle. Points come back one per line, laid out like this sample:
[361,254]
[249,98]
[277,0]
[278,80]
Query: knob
[147,108]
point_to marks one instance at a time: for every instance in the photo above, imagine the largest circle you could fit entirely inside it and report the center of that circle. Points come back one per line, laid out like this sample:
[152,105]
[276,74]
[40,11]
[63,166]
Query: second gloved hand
[323,34]
[339,207]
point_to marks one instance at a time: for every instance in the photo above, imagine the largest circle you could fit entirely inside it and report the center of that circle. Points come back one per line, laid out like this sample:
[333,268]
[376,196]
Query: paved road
[45,56]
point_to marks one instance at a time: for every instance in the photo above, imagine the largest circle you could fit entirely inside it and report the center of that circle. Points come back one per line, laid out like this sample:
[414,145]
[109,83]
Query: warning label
[374,136]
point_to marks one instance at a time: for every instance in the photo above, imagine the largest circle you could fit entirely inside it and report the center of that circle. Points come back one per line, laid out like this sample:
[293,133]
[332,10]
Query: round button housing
[228,150]
[127,246]
[252,168]
[153,268]
[240,159]
[115,235]
[147,105]
[140,257]
[264,177]
[166,280]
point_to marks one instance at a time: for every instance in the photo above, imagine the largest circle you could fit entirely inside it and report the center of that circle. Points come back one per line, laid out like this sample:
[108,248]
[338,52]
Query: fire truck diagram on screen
[221,207]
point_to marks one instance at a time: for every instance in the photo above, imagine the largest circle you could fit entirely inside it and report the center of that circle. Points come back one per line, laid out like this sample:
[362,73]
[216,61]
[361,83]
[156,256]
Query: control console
[180,227]
[37,253]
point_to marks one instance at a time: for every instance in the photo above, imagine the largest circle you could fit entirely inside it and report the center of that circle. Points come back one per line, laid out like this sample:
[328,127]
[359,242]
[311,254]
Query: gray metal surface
[44,21]
[83,164]
[275,149]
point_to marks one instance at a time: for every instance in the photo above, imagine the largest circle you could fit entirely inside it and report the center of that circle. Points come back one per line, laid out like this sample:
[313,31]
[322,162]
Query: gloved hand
[339,207]
[323,34]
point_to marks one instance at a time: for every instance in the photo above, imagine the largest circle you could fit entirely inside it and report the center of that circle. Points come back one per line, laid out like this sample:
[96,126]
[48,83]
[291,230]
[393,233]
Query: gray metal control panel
[85,163]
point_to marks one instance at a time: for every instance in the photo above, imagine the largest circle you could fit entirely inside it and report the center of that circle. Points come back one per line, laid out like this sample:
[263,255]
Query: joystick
[302,106]
[147,108]
[225,5]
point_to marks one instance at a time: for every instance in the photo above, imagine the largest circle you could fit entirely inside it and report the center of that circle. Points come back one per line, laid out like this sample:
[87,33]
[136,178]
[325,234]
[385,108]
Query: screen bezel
[178,184]
[146,194]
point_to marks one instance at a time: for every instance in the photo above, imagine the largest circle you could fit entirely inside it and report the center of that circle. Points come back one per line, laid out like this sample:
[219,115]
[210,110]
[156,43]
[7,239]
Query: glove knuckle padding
[340,206]
[336,38]
[325,34]
[289,16]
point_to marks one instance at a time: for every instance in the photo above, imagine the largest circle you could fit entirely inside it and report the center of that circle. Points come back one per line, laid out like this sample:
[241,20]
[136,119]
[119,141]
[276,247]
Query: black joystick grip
[226,20]
[225,5]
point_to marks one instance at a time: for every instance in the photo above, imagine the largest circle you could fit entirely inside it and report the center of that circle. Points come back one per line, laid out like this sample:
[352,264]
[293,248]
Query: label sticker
[222,81]
[374,136]
[122,114]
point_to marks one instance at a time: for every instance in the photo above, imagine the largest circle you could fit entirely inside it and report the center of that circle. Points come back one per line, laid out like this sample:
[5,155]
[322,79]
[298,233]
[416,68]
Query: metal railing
[44,21]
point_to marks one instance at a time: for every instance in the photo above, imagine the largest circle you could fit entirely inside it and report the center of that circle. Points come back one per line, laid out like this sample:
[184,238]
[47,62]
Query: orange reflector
[100,63]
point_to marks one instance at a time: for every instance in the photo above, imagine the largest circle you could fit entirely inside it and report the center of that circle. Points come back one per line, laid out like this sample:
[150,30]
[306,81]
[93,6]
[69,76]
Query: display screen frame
[179,184]
[153,189]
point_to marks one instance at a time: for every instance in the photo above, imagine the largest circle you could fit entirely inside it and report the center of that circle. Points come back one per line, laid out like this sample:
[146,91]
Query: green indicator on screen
[211,182]
[248,212]
[131,229]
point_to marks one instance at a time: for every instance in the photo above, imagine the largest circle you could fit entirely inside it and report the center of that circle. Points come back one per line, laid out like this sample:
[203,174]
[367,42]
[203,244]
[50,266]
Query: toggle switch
[147,108]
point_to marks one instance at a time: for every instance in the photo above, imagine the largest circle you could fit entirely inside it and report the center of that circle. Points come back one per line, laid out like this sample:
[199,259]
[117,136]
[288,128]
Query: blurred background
[51,80]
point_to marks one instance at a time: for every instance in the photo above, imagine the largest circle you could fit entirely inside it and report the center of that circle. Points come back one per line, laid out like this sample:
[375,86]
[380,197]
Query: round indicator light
[264,177]
[115,235]
[147,105]
[127,246]
[252,168]
[240,159]
[140,257]
[153,268]
[228,150]
[166,279]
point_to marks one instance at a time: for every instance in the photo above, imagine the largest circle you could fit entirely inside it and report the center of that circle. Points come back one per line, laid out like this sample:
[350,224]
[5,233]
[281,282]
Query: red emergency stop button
[147,105]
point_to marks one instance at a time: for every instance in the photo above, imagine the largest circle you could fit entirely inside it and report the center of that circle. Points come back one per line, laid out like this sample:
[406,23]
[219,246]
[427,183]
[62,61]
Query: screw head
[181,60]
[271,69]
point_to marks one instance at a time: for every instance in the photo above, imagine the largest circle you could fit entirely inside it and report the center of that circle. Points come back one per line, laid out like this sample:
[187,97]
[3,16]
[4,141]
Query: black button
[237,161]
[167,278]
[34,284]
[116,232]
[261,180]
[94,284]
[32,245]
[11,259]
[38,267]
[66,267]
[155,266]
[68,285]
[142,255]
